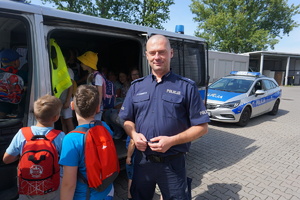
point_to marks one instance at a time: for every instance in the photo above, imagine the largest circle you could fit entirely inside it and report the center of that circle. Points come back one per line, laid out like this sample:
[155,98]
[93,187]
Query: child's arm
[68,183]
[100,93]
[67,102]
[130,151]
[7,158]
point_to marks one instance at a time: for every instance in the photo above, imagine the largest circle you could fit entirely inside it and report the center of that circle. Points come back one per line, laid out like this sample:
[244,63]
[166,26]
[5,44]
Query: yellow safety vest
[60,76]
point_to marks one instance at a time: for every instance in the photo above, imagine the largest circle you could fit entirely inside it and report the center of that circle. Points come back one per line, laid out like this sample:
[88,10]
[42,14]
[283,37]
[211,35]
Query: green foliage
[152,13]
[243,25]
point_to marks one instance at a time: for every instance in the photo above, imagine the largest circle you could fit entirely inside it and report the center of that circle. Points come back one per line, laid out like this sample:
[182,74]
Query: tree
[243,25]
[152,13]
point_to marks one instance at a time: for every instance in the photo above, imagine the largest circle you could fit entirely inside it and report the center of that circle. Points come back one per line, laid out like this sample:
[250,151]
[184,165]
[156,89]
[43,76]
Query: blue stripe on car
[257,102]
[220,95]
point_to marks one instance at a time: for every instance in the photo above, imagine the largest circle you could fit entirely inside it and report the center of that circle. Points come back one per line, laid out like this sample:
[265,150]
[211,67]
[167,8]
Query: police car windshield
[232,85]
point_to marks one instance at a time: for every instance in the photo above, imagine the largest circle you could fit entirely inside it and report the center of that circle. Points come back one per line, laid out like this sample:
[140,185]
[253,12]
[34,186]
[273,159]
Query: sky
[180,14]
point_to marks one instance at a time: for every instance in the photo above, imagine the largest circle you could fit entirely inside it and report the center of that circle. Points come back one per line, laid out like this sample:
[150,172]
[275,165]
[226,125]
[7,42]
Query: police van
[41,35]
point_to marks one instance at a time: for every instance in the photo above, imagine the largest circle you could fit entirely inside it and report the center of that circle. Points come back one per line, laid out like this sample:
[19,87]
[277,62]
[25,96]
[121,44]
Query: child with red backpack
[89,157]
[38,148]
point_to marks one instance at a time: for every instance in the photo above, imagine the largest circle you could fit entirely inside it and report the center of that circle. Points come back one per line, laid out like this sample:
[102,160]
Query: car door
[258,101]
[270,90]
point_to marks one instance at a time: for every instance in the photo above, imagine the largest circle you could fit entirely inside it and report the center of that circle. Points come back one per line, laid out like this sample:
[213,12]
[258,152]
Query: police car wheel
[274,111]
[245,117]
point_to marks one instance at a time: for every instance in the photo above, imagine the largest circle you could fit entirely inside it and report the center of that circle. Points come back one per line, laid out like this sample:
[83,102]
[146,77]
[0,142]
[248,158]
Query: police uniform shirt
[165,108]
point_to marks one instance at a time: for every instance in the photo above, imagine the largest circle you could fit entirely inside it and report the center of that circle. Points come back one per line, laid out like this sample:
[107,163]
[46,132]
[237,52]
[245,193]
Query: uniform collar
[164,76]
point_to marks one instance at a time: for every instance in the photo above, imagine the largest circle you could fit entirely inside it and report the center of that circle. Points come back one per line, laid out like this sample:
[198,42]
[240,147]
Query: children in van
[47,111]
[86,104]
[88,63]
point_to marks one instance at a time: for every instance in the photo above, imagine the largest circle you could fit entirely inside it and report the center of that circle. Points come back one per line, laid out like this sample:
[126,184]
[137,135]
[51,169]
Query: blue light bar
[179,29]
[245,73]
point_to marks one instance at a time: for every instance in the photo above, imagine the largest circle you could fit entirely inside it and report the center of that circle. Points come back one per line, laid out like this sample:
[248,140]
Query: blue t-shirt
[164,109]
[16,146]
[73,155]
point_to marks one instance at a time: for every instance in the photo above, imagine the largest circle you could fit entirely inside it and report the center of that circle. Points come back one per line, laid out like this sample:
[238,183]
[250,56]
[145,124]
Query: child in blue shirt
[86,105]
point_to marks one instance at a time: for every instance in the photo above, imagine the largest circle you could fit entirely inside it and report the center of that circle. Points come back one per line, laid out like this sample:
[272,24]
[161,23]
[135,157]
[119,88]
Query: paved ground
[260,161]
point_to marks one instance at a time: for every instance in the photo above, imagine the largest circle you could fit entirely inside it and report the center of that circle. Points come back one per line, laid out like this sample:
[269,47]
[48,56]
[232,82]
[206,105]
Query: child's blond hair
[47,107]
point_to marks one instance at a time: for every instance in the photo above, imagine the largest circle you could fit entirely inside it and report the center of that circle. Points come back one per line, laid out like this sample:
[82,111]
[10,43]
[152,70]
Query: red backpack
[38,170]
[11,88]
[101,159]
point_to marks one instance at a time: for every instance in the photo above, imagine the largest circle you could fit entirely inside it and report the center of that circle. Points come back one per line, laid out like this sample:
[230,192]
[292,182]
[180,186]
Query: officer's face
[159,55]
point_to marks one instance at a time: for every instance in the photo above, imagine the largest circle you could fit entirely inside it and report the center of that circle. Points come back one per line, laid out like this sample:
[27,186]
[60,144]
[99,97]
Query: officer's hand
[160,144]
[140,141]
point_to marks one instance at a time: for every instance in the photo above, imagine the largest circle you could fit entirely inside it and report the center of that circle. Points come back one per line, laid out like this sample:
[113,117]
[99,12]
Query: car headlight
[233,104]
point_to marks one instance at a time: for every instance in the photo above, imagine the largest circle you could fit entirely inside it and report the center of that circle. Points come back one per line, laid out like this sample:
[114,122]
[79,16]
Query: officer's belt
[162,159]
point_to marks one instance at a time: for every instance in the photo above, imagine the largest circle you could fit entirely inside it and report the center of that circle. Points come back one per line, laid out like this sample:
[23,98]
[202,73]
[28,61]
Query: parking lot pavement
[259,161]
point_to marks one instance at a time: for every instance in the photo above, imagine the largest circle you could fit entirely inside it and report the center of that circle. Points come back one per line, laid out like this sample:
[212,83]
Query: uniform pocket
[141,98]
[172,105]
[141,103]
[172,98]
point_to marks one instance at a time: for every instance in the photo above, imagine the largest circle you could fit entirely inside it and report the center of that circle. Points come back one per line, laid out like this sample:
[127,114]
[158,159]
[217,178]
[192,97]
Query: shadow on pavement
[229,191]
[215,151]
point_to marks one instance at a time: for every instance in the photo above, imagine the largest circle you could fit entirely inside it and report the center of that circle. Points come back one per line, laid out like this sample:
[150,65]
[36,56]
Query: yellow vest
[60,76]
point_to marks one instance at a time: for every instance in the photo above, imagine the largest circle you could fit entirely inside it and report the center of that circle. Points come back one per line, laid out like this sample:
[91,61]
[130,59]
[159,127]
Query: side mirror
[259,92]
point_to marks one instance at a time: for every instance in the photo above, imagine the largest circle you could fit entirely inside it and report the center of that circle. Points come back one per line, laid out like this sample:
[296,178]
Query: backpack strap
[81,130]
[82,179]
[51,135]
[84,130]
[27,133]
[95,73]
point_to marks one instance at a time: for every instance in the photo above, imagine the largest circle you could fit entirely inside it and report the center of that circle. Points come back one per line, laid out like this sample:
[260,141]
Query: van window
[14,33]
[189,60]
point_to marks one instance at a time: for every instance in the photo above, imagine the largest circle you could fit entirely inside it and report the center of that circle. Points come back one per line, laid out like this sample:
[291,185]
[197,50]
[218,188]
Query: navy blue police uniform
[162,109]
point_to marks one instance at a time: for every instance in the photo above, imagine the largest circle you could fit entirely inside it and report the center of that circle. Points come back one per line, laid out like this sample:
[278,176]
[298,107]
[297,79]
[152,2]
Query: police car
[242,95]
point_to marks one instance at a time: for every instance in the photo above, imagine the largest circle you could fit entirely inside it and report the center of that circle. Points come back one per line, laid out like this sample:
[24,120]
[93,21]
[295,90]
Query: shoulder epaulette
[138,80]
[186,79]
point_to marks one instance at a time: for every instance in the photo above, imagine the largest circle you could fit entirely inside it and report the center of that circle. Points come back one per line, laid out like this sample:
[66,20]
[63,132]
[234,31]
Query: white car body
[241,96]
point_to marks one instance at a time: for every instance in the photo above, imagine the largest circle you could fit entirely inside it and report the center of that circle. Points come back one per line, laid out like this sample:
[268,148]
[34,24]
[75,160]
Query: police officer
[163,113]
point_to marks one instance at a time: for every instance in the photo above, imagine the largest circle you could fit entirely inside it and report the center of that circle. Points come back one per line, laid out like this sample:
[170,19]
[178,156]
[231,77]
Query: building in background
[283,67]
